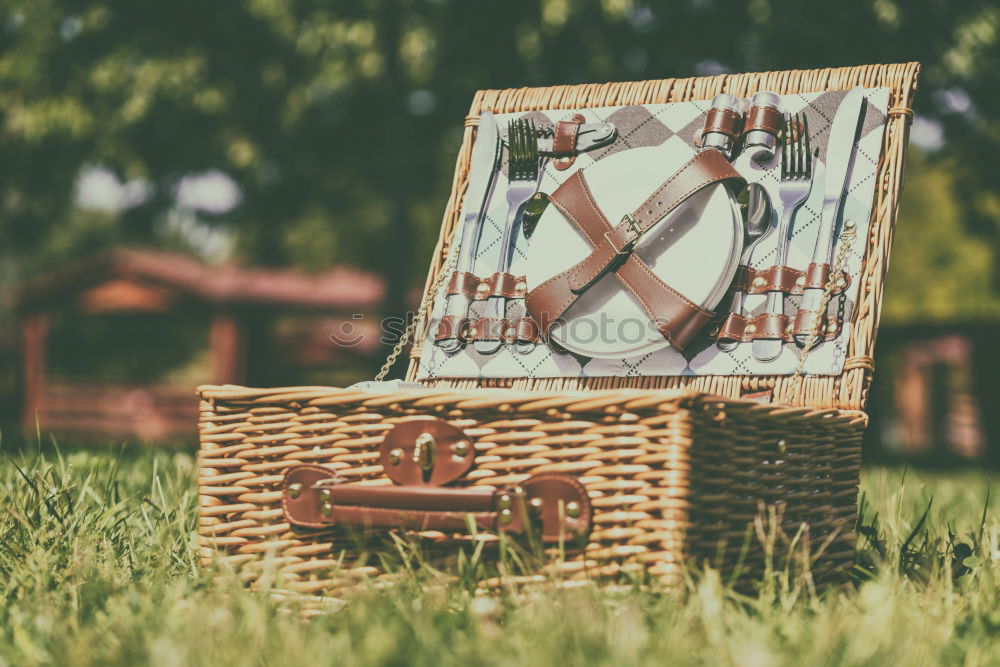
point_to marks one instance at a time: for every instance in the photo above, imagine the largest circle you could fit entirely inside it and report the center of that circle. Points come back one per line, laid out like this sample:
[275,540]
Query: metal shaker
[763,125]
[723,124]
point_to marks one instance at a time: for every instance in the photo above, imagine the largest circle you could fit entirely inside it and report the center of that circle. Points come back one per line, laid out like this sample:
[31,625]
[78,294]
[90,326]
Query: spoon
[759,224]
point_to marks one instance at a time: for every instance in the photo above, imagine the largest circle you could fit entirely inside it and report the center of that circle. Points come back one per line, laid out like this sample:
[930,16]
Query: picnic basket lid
[849,389]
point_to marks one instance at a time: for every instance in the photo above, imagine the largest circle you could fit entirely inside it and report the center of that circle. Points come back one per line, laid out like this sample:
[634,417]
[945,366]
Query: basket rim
[512,400]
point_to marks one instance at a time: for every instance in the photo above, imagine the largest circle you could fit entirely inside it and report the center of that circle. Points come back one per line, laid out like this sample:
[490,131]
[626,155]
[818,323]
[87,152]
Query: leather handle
[554,506]
[430,498]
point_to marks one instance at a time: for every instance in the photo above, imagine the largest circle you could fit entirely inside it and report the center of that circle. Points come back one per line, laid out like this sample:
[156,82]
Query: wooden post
[227,348]
[33,332]
[985,370]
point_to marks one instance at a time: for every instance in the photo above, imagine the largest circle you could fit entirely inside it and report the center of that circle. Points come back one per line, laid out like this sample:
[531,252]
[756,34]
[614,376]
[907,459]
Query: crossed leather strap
[677,318]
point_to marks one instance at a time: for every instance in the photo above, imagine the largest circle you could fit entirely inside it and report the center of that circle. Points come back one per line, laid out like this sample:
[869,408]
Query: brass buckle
[637,233]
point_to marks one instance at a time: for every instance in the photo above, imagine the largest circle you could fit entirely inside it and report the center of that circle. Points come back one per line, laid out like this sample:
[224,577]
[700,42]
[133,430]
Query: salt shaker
[723,124]
[763,125]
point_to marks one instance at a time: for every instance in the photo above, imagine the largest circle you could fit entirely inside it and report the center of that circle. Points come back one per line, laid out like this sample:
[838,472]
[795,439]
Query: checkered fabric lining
[652,125]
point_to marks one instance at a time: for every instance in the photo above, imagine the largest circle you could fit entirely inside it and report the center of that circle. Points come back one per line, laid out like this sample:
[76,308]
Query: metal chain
[846,240]
[422,312]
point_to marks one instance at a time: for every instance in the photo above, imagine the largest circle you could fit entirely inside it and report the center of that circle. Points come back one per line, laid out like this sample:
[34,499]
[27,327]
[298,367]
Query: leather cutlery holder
[737,327]
[499,284]
[515,330]
[787,280]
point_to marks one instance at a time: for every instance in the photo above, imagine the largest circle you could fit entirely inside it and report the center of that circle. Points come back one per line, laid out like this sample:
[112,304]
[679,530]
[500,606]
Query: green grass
[98,566]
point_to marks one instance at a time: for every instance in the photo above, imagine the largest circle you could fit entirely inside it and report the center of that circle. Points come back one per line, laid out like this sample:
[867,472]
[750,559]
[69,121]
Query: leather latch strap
[564,141]
[425,451]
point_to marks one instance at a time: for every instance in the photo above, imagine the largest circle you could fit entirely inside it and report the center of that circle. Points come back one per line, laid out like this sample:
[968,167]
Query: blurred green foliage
[939,270]
[339,122]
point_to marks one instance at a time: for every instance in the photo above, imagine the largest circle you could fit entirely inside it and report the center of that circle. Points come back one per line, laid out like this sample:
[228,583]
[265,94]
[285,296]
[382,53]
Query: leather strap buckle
[637,233]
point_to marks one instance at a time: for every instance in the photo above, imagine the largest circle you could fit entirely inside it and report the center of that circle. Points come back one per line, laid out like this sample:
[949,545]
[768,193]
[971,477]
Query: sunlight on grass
[98,565]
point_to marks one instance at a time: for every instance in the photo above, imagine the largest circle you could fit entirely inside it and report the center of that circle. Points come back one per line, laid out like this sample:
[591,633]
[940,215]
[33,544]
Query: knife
[482,177]
[840,151]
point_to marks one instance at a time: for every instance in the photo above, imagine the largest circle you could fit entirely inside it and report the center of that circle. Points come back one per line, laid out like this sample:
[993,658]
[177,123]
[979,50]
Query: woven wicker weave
[676,467]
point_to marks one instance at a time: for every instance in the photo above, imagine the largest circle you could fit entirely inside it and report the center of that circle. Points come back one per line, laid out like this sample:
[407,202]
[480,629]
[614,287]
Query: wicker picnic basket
[716,469]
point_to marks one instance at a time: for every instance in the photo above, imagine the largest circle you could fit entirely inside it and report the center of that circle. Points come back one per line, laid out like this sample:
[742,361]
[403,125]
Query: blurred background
[206,191]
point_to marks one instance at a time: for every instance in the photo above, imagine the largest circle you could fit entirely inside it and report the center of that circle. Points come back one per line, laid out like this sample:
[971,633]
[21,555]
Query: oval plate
[695,250]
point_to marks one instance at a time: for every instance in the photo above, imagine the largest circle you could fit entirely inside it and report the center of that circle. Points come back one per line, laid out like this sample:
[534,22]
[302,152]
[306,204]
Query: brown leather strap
[818,275]
[526,330]
[485,328]
[778,326]
[803,325]
[677,318]
[776,279]
[733,328]
[564,141]
[373,517]
[462,282]
[451,326]
[499,284]
[763,118]
[786,279]
[743,278]
[769,326]
[505,285]
[726,121]
[555,505]
[736,328]
[428,498]
[520,330]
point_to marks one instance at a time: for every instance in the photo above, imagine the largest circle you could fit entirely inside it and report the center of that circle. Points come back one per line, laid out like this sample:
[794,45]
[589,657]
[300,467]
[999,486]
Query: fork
[796,182]
[522,174]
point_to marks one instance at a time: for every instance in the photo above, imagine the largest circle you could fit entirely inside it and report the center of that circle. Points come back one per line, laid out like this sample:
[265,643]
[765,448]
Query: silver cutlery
[796,182]
[840,151]
[758,226]
[483,169]
[523,177]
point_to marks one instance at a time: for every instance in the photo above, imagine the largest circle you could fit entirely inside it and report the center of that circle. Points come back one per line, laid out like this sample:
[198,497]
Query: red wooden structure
[131,281]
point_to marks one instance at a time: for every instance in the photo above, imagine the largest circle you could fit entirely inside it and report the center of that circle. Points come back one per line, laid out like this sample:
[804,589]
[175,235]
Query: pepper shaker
[723,124]
[763,125]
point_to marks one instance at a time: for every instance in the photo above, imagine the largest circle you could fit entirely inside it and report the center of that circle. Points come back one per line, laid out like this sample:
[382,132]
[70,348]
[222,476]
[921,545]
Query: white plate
[695,250]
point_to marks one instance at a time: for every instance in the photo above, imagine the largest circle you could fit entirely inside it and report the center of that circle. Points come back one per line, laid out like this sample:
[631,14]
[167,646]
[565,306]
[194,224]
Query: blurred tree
[339,122]
[938,272]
